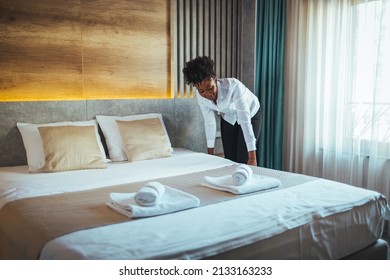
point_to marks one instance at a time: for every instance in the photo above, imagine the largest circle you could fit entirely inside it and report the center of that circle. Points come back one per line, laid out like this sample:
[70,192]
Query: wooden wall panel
[84,49]
[126,49]
[208,27]
[40,50]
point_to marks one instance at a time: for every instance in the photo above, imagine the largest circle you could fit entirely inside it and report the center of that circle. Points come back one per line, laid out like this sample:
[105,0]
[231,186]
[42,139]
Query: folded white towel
[242,174]
[255,183]
[150,194]
[172,200]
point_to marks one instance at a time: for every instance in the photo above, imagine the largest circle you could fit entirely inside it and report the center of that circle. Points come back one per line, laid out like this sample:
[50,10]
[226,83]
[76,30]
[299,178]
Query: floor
[387,239]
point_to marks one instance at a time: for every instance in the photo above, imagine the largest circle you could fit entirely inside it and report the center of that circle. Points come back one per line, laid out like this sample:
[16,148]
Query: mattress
[307,218]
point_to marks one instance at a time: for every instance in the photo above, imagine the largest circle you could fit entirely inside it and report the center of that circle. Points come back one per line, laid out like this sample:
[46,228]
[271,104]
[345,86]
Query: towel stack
[242,181]
[152,199]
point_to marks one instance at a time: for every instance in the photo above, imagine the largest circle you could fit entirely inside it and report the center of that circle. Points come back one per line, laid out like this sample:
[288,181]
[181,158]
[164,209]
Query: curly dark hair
[198,69]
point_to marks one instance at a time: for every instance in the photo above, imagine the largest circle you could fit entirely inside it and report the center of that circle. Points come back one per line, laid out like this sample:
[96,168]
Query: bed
[63,214]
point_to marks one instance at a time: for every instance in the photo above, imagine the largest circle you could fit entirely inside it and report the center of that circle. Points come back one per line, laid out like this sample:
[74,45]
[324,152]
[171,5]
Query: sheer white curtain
[337,91]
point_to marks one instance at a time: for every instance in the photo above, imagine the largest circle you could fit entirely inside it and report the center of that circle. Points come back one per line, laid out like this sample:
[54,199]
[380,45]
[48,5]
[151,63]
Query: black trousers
[233,142]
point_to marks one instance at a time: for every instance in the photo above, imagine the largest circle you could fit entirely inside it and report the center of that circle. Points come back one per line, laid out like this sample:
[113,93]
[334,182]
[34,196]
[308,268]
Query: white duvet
[317,214]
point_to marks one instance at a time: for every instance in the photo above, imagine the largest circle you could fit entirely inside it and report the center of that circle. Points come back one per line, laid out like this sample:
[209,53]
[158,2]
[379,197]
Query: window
[371,95]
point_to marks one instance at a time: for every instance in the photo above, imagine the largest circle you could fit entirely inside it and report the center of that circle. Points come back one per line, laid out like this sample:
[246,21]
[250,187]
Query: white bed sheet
[208,230]
[17,183]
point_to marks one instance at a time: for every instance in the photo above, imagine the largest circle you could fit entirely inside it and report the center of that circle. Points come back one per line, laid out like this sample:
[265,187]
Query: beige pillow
[33,143]
[113,137]
[70,148]
[144,139]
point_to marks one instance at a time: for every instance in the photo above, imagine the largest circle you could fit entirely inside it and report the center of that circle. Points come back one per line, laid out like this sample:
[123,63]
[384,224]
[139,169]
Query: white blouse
[235,103]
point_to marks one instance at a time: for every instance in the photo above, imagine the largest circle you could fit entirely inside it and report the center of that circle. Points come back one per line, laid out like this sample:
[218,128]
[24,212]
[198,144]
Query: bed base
[376,251]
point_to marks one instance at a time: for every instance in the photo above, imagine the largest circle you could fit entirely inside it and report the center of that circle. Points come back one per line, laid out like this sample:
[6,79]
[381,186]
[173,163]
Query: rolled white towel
[254,184]
[149,194]
[172,201]
[242,174]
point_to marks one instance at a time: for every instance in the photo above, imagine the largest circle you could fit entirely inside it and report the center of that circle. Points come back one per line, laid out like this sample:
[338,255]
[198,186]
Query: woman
[237,105]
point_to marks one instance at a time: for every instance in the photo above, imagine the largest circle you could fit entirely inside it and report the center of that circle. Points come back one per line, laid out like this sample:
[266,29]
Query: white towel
[172,200]
[242,174]
[255,183]
[150,194]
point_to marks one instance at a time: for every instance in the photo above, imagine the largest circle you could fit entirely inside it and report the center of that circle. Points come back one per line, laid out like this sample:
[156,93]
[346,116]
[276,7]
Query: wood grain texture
[40,50]
[84,49]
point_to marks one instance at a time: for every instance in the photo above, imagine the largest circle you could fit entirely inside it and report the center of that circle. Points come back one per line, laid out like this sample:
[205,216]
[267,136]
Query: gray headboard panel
[182,118]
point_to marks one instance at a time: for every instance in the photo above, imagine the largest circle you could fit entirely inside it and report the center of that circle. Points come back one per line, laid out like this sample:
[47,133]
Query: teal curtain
[269,76]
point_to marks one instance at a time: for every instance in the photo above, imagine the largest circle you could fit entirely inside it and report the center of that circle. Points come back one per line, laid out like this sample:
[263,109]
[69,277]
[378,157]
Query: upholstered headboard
[182,118]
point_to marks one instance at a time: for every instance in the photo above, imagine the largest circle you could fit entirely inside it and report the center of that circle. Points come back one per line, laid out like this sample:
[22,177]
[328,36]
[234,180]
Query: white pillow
[34,147]
[113,137]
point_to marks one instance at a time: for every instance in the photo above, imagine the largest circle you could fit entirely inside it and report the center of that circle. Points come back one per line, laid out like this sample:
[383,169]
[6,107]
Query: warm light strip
[32,97]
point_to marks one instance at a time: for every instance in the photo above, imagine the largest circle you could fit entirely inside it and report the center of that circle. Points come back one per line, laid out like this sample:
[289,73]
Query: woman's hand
[252,158]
